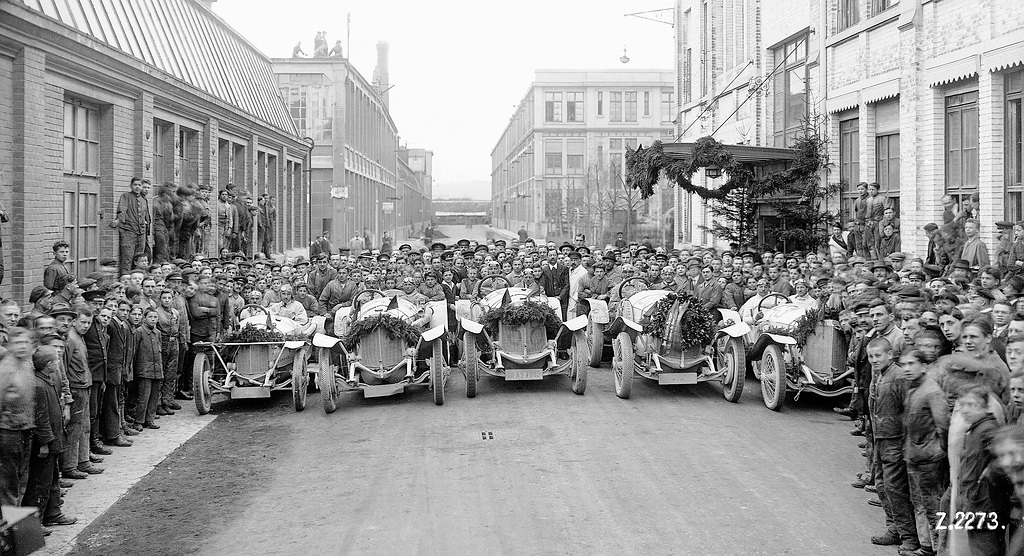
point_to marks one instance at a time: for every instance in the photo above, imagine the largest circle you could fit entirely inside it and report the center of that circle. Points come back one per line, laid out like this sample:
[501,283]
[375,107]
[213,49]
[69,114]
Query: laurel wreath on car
[252,334]
[395,328]
[519,314]
[696,324]
[801,329]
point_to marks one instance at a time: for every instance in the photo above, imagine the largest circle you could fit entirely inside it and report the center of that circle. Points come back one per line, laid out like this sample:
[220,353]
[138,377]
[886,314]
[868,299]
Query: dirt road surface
[524,468]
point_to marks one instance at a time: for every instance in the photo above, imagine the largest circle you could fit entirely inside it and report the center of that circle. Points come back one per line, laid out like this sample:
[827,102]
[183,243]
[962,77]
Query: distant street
[672,470]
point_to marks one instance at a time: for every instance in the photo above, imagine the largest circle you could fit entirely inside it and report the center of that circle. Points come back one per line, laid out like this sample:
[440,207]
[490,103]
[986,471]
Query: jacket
[17,394]
[958,371]
[148,363]
[981,486]
[119,351]
[338,294]
[925,422]
[49,419]
[886,402]
[76,361]
[96,341]
[204,310]
[317,280]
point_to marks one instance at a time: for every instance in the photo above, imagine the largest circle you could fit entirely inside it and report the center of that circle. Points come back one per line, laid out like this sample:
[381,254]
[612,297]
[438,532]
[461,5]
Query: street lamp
[624,59]
[713,172]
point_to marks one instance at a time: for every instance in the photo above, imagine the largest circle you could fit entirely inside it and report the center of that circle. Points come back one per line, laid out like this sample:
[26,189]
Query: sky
[459,68]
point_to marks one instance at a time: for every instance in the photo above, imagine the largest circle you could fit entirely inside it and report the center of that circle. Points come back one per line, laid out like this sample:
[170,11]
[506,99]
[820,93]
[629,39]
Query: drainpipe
[309,190]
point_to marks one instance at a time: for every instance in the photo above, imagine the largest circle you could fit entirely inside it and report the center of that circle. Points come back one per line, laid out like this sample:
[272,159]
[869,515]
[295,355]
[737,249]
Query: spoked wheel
[300,380]
[579,363]
[201,375]
[622,364]
[595,336]
[328,386]
[732,363]
[472,359]
[773,378]
[438,372]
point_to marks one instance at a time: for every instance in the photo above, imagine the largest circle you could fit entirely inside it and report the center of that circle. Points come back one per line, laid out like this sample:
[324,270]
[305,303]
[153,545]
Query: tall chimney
[380,73]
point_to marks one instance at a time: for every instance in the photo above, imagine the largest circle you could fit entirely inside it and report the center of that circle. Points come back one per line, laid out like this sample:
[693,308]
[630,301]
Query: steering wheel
[771,295]
[270,319]
[508,283]
[628,280]
[357,300]
[255,306]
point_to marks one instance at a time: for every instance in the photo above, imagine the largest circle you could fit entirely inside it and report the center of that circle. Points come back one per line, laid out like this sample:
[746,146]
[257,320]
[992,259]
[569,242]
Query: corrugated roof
[185,41]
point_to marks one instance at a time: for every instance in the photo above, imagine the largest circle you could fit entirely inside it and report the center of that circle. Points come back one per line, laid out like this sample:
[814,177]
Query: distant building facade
[414,208]
[921,96]
[355,157]
[558,166]
[93,93]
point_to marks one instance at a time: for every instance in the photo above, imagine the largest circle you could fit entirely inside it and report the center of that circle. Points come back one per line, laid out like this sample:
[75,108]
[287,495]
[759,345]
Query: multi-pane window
[600,103]
[962,143]
[81,139]
[887,149]
[615,99]
[789,92]
[1013,147]
[879,6]
[848,15]
[647,103]
[81,225]
[631,106]
[163,164]
[553,157]
[297,105]
[552,107]
[574,157]
[887,162]
[188,156]
[849,151]
[616,160]
[667,107]
[574,107]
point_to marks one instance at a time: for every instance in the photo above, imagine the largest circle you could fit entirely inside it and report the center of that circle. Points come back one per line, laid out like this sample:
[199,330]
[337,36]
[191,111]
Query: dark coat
[982,487]
[119,351]
[49,418]
[926,422]
[887,402]
[204,310]
[148,362]
[96,342]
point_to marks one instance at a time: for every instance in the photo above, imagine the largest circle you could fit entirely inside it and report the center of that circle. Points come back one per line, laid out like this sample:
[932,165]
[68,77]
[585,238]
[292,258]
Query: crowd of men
[936,345]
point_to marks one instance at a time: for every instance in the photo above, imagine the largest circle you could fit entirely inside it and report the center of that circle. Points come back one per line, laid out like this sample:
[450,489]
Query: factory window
[81,139]
[552,107]
[574,107]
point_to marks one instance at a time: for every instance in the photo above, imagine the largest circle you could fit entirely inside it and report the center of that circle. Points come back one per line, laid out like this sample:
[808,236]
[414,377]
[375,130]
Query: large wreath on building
[645,166]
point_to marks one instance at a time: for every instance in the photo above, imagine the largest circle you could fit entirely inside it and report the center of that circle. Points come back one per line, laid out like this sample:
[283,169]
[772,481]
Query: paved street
[673,470]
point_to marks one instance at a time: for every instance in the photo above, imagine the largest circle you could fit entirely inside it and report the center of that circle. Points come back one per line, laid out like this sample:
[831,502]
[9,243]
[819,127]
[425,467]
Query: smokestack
[380,73]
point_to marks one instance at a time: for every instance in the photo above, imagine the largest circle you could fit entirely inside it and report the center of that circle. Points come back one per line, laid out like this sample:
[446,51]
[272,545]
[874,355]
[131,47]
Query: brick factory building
[93,93]
[357,164]
[922,96]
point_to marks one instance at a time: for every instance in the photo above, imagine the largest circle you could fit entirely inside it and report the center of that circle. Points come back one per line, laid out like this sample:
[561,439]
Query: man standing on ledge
[132,223]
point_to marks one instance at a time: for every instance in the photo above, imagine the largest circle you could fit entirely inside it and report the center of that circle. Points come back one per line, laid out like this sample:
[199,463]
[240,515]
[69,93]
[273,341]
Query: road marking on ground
[89,498]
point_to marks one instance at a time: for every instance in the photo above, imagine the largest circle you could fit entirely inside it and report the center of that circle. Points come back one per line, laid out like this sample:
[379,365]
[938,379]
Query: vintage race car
[788,356]
[388,352]
[531,345]
[666,359]
[244,369]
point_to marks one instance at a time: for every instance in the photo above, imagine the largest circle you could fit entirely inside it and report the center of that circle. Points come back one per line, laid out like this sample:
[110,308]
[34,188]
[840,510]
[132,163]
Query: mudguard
[434,333]
[294,344]
[599,311]
[472,326]
[736,329]
[325,341]
[577,323]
